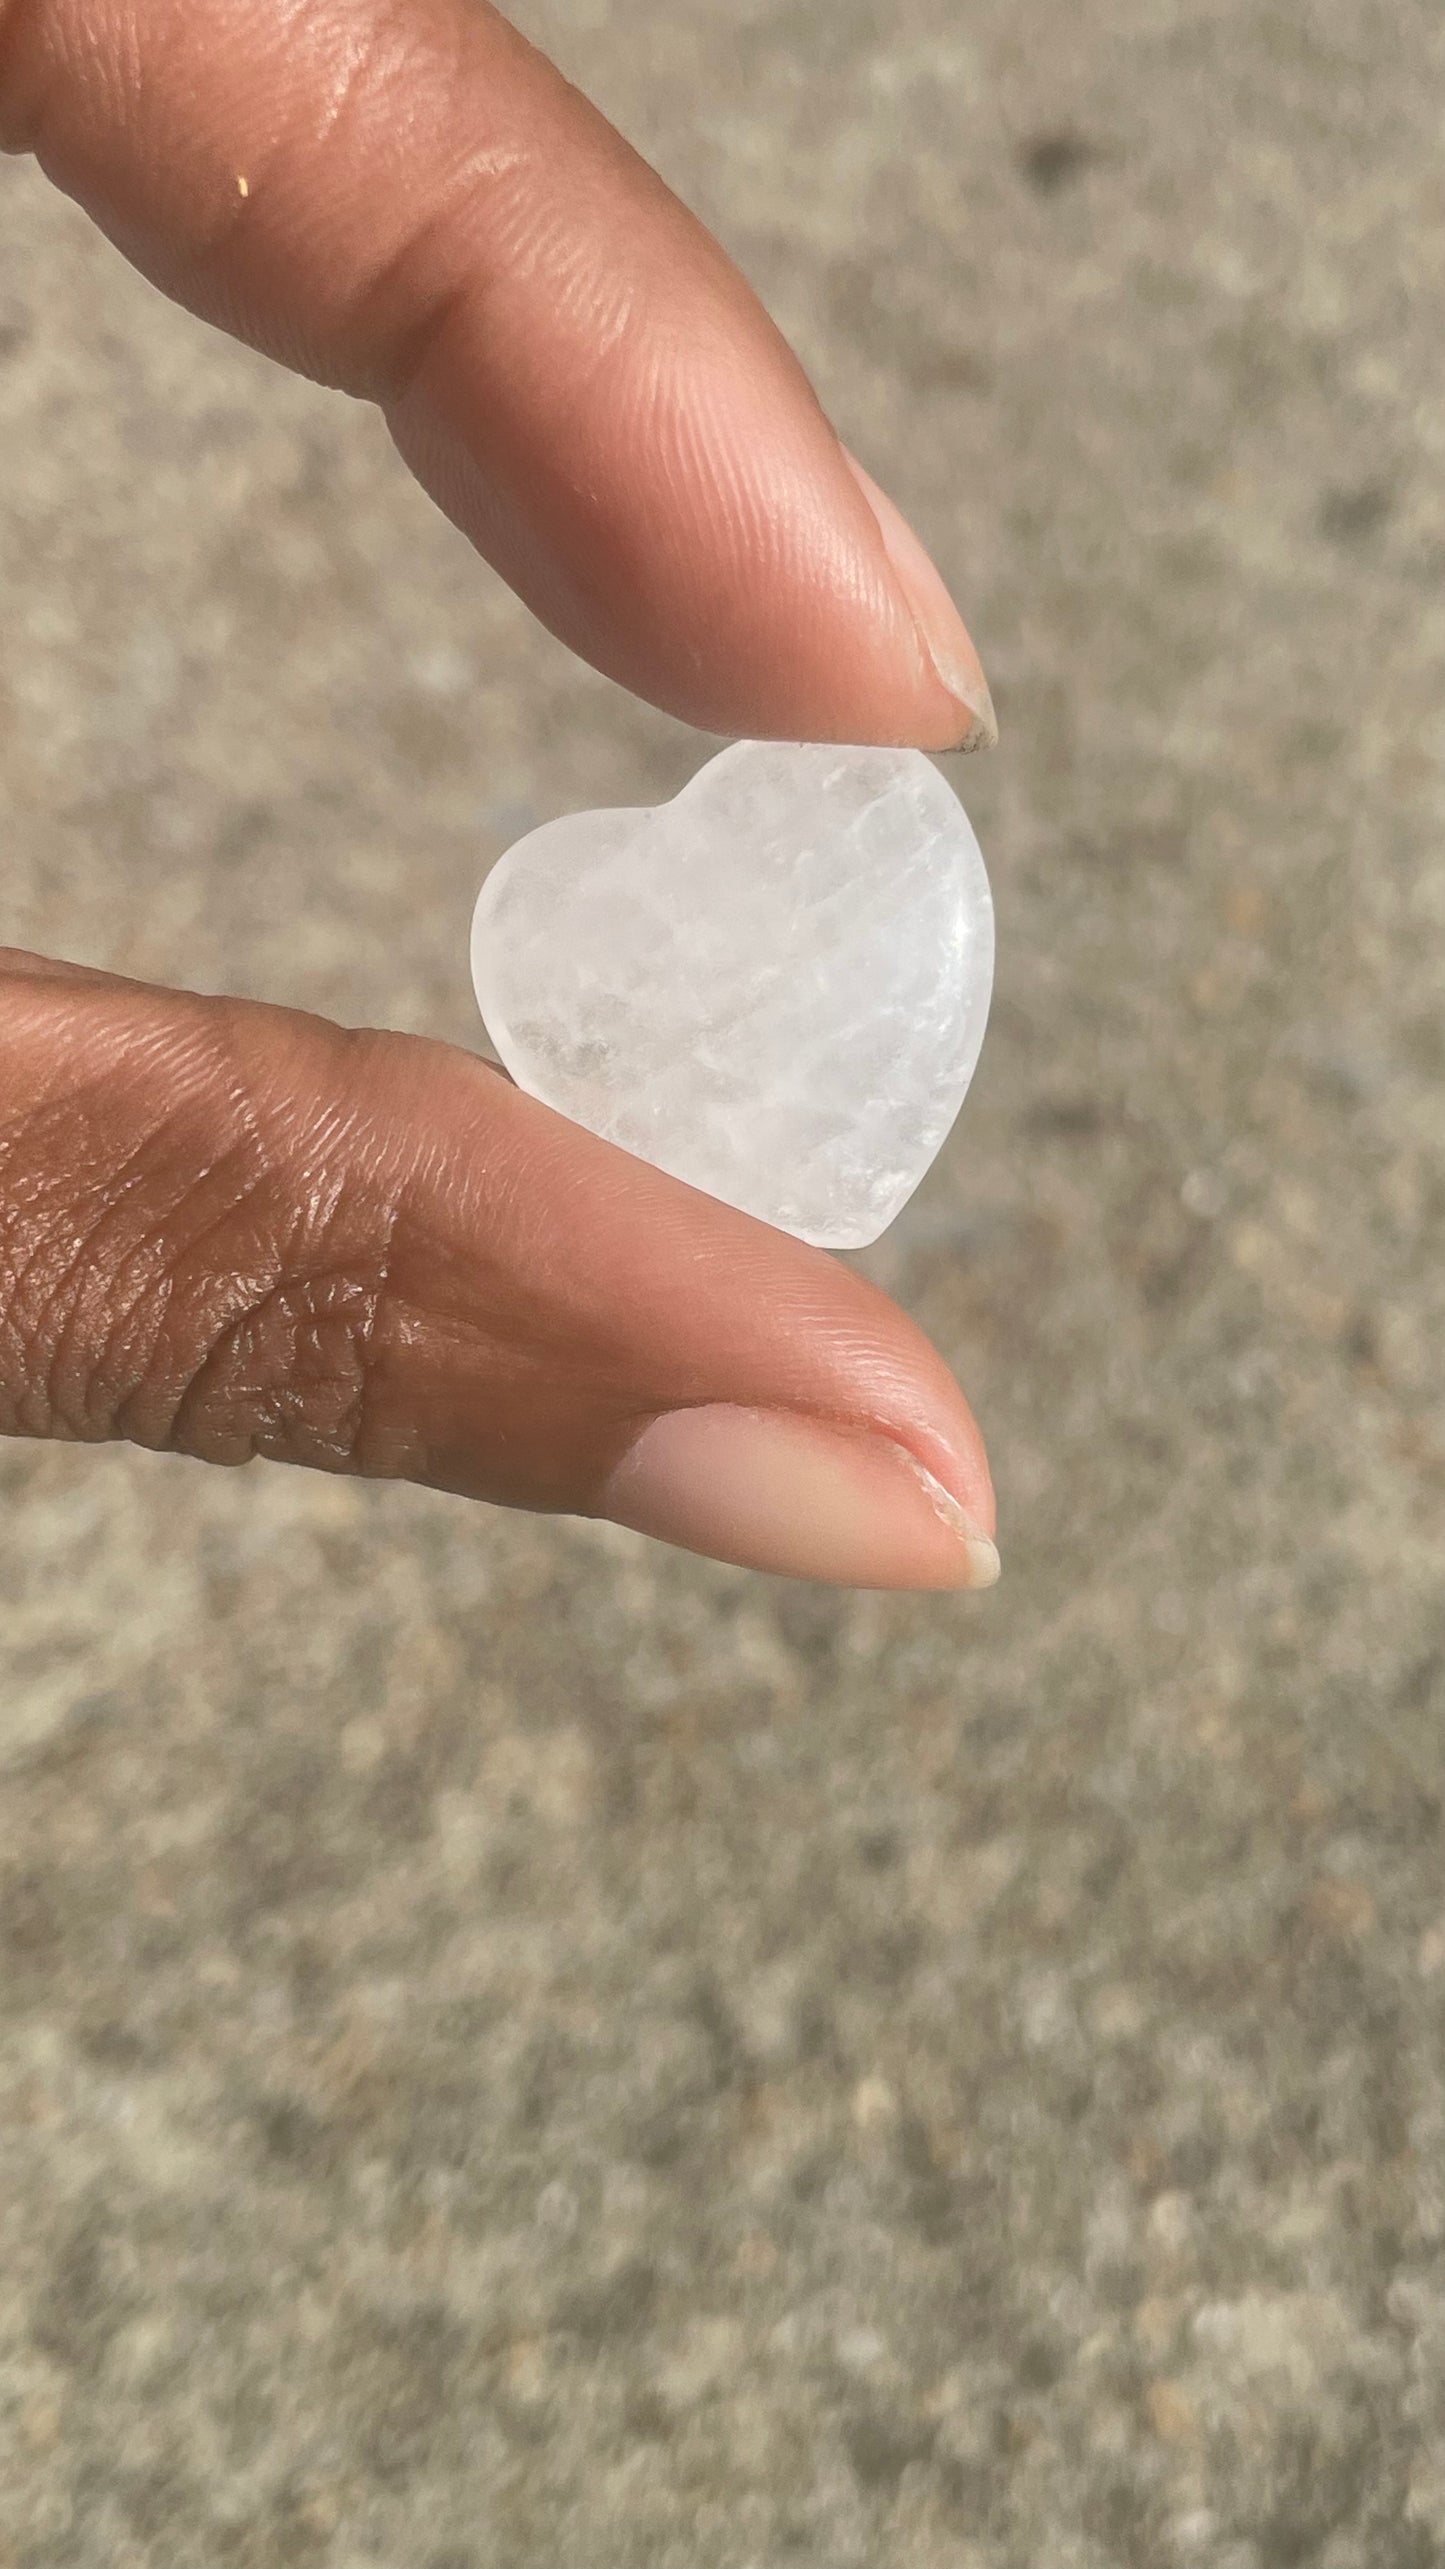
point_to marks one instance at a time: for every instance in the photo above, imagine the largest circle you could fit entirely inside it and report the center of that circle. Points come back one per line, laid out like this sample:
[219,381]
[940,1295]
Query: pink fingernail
[941,629]
[770,1490]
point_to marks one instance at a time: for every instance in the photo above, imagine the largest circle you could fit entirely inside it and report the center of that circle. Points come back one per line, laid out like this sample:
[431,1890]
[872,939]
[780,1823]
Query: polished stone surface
[520,2050]
[774,986]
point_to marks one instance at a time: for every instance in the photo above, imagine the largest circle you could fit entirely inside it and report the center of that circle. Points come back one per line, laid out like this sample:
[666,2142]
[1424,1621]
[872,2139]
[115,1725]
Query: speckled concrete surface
[521,2051]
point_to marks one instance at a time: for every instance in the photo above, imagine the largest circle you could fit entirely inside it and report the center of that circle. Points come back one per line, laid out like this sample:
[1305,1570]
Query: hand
[231,1230]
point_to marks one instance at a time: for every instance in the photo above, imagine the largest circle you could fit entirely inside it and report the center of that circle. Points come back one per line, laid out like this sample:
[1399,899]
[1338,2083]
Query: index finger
[410,202]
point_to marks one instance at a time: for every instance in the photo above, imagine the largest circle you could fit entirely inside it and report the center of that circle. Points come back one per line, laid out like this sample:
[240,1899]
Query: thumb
[230,1231]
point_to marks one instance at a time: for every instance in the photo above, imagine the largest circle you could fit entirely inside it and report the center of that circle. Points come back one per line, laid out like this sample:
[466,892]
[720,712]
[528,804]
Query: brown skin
[231,1230]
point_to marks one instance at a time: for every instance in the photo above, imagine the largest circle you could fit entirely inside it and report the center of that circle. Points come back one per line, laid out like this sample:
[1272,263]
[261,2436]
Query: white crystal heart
[774,986]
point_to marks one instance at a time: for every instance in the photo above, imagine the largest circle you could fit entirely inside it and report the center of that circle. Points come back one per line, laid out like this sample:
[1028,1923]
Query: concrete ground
[523,2051]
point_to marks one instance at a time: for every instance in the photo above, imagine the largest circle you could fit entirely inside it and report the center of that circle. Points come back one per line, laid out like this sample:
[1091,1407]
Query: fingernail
[941,629]
[772,1491]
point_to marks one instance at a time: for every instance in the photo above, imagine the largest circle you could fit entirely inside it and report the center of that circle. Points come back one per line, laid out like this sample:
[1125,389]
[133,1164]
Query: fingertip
[948,646]
[798,1496]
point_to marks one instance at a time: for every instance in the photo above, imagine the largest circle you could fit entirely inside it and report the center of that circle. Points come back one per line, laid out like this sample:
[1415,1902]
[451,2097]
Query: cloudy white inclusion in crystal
[774,987]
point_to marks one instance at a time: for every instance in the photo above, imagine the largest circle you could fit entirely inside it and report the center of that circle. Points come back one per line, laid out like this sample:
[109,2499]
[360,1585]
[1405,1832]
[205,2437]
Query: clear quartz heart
[774,987]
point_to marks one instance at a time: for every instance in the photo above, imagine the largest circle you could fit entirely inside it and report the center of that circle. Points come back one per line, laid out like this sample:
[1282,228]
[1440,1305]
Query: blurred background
[522,2049]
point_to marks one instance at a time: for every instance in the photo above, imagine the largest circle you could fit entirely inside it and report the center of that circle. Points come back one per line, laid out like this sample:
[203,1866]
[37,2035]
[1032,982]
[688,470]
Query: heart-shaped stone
[774,987]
